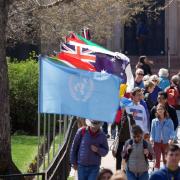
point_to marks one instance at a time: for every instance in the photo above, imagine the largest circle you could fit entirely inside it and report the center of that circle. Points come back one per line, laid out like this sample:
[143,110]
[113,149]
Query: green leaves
[23,84]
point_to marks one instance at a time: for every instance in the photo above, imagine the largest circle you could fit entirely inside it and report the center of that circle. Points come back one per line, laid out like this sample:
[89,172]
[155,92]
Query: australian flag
[87,59]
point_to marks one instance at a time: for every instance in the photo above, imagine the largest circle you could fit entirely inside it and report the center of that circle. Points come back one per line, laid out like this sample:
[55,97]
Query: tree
[5,145]
[6,164]
[52,19]
[55,19]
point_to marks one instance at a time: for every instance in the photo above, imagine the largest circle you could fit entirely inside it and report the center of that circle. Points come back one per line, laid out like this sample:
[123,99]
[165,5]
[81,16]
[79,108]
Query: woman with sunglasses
[138,81]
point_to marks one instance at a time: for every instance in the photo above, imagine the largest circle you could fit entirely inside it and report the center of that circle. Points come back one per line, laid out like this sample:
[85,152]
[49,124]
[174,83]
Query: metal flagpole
[168,56]
[44,147]
[48,137]
[60,130]
[54,132]
[65,124]
[39,116]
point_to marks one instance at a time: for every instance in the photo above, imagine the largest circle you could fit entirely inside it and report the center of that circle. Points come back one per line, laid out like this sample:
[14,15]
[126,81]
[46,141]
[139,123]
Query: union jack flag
[78,57]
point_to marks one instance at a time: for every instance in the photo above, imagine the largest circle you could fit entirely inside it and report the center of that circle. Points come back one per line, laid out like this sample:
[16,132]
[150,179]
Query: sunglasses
[140,74]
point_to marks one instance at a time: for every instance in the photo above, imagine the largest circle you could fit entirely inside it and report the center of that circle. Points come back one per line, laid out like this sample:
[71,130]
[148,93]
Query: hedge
[23,84]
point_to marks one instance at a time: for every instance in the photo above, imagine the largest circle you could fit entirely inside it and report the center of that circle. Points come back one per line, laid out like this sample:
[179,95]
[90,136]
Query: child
[89,145]
[105,174]
[162,133]
[136,153]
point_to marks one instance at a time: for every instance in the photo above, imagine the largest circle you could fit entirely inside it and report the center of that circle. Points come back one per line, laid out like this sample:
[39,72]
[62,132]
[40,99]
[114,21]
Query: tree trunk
[6,164]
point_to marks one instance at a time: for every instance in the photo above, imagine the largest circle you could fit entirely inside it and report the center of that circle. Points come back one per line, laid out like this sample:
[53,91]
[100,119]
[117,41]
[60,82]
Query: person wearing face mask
[171,171]
[162,134]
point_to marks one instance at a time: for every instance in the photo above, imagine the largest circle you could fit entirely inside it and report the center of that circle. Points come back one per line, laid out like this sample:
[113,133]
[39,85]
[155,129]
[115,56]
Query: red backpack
[173,95]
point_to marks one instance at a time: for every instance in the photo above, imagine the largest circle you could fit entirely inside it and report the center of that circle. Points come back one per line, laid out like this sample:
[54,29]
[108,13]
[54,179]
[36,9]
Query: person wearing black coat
[143,64]
[162,99]
[124,135]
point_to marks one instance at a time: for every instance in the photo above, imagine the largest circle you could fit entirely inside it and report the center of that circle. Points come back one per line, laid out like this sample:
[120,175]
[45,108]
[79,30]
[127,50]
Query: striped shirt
[140,116]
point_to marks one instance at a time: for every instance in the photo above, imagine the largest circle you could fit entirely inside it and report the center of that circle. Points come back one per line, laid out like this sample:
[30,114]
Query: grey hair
[163,72]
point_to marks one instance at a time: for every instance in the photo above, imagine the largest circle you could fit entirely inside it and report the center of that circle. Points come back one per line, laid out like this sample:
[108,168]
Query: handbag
[114,146]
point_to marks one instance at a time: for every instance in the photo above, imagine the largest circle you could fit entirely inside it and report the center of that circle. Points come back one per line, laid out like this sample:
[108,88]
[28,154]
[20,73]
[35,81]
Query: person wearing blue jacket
[172,169]
[162,134]
[163,79]
[89,145]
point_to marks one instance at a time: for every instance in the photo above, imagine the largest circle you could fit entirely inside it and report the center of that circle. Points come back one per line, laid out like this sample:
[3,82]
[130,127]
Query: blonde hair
[146,78]
[154,77]
[175,79]
[148,84]
[139,71]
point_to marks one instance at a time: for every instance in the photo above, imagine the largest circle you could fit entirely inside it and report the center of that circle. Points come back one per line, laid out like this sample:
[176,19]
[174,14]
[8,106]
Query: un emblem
[81,88]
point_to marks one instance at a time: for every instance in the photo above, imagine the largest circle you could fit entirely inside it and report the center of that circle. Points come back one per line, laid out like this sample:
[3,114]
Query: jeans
[132,176]
[88,172]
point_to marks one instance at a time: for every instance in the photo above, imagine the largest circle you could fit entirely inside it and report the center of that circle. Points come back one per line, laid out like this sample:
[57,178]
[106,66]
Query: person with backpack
[173,92]
[89,145]
[162,134]
[136,153]
[124,128]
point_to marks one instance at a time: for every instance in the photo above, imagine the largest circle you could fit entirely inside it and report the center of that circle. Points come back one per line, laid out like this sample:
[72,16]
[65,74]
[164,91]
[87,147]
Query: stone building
[163,38]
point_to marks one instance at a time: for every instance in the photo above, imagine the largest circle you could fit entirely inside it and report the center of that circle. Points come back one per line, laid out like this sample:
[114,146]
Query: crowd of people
[147,129]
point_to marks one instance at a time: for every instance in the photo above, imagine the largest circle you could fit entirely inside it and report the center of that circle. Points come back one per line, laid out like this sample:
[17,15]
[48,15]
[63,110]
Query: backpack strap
[145,144]
[83,131]
[130,142]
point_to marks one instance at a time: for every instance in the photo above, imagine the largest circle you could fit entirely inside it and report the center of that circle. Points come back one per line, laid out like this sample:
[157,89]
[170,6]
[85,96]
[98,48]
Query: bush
[23,84]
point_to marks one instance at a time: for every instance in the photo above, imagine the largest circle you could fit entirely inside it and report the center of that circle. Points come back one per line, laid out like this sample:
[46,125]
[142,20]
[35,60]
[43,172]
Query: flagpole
[54,130]
[39,116]
[44,147]
[49,138]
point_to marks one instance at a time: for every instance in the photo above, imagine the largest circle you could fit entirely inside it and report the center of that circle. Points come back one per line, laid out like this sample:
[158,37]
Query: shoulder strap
[145,144]
[83,131]
[130,142]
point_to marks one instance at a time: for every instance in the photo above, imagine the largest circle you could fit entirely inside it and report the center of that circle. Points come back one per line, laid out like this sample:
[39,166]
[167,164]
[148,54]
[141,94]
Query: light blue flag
[65,90]
[124,102]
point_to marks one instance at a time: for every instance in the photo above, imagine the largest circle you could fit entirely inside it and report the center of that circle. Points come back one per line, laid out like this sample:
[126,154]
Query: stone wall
[171,26]
[178,28]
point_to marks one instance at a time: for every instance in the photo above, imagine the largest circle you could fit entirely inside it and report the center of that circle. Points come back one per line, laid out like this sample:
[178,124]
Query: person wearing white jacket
[138,111]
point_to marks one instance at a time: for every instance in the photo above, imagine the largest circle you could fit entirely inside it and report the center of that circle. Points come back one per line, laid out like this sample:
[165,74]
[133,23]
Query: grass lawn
[58,141]
[70,178]
[24,150]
